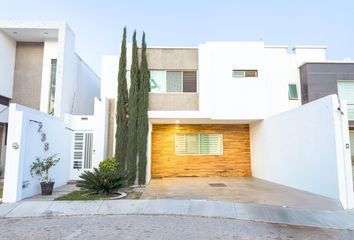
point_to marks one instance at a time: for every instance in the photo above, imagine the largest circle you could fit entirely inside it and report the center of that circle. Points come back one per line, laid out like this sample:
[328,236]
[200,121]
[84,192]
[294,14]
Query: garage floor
[236,189]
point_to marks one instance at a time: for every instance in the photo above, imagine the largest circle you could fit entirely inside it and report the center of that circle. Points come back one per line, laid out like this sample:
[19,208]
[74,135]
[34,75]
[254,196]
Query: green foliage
[121,111]
[40,167]
[143,121]
[109,164]
[102,181]
[133,114]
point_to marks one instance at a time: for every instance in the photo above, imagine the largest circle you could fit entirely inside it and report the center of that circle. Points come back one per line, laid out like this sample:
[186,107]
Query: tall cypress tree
[143,121]
[121,111]
[133,113]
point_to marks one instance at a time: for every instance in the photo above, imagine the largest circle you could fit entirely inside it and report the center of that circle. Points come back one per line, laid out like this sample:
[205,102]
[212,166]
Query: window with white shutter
[198,144]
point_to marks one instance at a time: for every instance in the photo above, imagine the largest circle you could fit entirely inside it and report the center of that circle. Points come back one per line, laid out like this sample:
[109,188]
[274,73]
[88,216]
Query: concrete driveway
[236,189]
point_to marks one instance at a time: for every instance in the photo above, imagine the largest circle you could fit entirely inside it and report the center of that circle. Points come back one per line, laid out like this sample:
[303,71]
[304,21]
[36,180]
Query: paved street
[156,227]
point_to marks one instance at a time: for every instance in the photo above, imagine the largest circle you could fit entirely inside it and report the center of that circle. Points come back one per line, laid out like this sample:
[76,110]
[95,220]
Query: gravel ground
[156,227]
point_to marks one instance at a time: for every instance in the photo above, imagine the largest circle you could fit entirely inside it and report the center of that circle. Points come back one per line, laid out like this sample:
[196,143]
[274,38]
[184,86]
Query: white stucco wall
[100,131]
[66,72]
[306,53]
[280,70]
[7,64]
[77,85]
[304,148]
[18,183]
[109,76]
[86,90]
[223,96]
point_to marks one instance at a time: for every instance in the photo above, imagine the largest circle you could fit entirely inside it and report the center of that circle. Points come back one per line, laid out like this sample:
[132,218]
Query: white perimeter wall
[305,148]
[18,182]
[7,64]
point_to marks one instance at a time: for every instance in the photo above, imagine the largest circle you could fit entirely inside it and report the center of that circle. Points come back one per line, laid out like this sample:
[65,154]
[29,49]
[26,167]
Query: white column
[14,156]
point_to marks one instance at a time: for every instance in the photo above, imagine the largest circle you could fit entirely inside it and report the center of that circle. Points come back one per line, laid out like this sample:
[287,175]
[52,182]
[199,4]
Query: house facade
[234,109]
[39,69]
[203,100]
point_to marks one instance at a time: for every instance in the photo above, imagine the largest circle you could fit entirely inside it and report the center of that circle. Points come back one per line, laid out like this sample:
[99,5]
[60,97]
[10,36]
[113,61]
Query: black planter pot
[47,188]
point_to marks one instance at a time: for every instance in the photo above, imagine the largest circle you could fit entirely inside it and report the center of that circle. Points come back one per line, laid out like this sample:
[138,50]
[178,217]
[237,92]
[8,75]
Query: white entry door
[81,153]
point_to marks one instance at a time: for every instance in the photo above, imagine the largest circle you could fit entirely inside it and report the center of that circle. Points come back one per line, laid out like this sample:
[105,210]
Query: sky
[98,24]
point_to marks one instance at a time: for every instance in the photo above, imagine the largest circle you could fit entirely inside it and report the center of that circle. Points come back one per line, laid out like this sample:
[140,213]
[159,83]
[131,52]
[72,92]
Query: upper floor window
[173,81]
[53,73]
[244,73]
[293,95]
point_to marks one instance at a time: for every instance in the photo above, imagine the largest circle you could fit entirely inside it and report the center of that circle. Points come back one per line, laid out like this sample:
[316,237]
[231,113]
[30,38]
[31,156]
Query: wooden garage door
[233,161]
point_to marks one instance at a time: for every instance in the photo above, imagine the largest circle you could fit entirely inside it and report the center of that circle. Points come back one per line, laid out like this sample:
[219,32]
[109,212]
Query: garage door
[200,150]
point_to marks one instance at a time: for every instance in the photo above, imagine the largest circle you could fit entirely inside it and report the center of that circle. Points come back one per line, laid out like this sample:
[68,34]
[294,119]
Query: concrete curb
[195,208]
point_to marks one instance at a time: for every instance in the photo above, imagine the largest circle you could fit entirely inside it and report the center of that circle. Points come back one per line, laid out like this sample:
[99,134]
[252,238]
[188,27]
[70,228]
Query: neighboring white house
[39,69]
[234,109]
[46,93]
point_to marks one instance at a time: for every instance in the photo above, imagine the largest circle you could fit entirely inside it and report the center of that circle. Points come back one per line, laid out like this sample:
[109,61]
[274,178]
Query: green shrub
[109,164]
[102,181]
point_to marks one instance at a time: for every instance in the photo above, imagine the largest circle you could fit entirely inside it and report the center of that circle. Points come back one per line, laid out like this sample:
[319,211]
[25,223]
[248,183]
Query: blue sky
[98,24]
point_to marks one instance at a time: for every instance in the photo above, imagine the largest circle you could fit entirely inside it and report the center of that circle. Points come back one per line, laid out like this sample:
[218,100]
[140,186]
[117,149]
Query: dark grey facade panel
[320,79]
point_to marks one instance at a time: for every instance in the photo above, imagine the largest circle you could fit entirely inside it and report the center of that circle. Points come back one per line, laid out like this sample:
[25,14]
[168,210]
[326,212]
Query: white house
[45,90]
[234,109]
[39,69]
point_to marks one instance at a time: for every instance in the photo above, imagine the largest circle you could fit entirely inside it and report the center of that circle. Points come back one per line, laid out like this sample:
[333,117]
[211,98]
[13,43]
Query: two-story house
[203,100]
[39,69]
[234,109]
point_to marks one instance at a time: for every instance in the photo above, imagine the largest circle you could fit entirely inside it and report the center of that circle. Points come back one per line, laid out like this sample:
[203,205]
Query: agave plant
[102,181]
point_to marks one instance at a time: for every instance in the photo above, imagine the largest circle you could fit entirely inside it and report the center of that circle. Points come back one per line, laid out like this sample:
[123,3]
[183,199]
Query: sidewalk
[241,211]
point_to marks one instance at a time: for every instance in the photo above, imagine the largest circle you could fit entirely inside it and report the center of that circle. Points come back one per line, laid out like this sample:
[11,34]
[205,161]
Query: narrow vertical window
[53,74]
[293,92]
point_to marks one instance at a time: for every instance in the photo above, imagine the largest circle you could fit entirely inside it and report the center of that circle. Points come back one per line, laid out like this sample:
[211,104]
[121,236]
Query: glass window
[293,92]
[158,81]
[174,81]
[53,74]
[244,73]
[199,144]
[346,92]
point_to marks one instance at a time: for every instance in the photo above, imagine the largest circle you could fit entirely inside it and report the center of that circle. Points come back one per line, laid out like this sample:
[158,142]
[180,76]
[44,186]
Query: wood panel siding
[235,160]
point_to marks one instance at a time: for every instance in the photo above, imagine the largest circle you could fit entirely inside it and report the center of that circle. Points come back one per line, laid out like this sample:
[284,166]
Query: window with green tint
[346,92]
[198,144]
[192,144]
[238,74]
[244,73]
[174,81]
[293,92]
[53,76]
[158,81]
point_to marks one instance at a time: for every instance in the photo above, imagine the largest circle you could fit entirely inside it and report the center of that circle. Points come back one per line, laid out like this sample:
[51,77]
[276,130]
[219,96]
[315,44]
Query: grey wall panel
[320,79]
[28,74]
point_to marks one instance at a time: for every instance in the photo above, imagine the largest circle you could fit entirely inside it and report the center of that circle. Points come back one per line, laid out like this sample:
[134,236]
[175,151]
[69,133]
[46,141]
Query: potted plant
[41,167]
